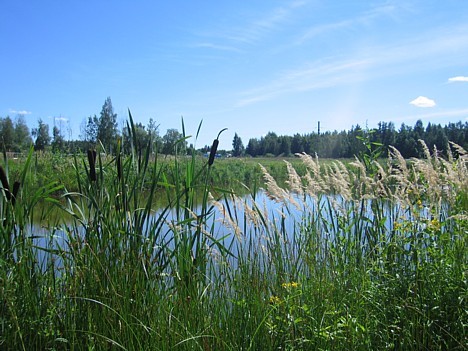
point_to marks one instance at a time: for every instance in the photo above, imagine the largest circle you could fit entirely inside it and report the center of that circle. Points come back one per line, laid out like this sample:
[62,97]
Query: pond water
[258,220]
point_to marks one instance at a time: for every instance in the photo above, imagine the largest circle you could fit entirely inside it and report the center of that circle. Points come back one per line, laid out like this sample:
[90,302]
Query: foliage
[14,136]
[107,126]
[89,130]
[346,144]
[173,142]
[41,133]
[237,146]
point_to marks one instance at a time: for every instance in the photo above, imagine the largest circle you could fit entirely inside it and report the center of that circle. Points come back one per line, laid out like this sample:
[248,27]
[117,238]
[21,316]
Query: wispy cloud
[312,76]
[458,79]
[19,112]
[433,115]
[207,45]
[433,49]
[61,119]
[387,9]
[422,101]
[251,31]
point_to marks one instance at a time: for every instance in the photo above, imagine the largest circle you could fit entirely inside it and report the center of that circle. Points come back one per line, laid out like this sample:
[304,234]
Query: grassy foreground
[375,258]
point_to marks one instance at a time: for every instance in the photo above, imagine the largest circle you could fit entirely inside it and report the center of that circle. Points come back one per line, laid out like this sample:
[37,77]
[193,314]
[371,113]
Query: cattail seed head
[92,165]
[213,150]
[16,187]
[119,167]
[5,185]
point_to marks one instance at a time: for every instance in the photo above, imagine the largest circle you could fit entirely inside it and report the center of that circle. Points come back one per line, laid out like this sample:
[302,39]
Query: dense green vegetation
[359,257]
[346,144]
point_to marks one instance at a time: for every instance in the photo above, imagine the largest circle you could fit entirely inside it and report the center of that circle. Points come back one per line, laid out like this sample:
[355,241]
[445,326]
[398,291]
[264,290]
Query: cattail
[213,150]
[5,185]
[16,187]
[119,167]
[92,165]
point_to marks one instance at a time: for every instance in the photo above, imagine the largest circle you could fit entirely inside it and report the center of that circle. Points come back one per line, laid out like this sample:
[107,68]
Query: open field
[343,257]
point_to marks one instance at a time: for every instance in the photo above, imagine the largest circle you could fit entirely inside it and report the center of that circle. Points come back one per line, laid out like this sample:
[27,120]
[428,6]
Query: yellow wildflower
[274,300]
[434,224]
[290,285]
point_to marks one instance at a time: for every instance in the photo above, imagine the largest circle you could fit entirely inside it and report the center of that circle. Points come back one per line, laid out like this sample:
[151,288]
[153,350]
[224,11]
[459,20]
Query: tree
[89,130]
[107,125]
[296,144]
[141,137]
[252,147]
[170,140]
[58,141]
[270,143]
[237,146]
[23,138]
[155,138]
[284,145]
[7,134]
[41,133]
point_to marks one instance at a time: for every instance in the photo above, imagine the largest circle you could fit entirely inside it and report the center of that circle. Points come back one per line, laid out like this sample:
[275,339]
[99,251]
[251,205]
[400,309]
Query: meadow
[368,255]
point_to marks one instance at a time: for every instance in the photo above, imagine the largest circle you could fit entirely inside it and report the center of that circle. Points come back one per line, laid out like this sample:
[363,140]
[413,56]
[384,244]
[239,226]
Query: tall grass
[337,259]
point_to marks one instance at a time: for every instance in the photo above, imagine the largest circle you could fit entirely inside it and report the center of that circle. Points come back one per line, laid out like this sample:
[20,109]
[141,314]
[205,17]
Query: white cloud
[458,79]
[61,119]
[19,112]
[422,101]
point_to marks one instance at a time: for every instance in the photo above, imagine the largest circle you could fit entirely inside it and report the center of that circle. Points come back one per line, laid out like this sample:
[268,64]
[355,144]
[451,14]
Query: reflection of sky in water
[259,222]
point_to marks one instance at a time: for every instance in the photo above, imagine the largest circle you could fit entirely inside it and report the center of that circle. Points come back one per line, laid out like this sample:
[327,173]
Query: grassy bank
[375,260]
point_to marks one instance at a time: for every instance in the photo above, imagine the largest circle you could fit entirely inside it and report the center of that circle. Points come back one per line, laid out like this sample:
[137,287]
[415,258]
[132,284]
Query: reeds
[344,256]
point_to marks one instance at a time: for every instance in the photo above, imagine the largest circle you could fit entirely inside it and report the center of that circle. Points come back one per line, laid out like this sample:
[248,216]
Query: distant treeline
[346,144]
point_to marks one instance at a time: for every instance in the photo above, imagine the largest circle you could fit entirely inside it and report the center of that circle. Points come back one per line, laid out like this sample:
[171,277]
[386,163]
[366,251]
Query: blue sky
[250,66]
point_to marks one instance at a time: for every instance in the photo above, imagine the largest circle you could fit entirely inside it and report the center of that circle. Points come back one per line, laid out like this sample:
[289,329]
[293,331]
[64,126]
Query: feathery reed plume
[92,165]
[361,181]
[339,180]
[461,151]
[311,164]
[274,192]
[5,185]
[398,171]
[226,219]
[427,153]
[16,187]
[294,181]
[314,183]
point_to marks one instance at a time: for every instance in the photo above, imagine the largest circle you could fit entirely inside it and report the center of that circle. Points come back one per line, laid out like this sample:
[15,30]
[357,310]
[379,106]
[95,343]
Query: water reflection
[292,222]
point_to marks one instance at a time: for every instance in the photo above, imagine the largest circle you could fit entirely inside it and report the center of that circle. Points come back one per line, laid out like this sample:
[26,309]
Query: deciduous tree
[41,133]
[237,146]
[107,126]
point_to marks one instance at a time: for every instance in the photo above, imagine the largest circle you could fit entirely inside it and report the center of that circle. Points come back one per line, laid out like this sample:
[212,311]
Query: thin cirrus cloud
[315,75]
[422,101]
[20,112]
[253,31]
[386,10]
[458,79]
[374,63]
